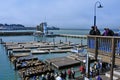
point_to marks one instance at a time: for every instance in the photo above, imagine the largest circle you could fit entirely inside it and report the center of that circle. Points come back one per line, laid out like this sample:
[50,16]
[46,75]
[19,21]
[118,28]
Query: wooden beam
[96,48]
[112,58]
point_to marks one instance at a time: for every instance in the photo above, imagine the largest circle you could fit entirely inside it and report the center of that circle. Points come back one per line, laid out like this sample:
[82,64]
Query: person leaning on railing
[94,31]
[108,32]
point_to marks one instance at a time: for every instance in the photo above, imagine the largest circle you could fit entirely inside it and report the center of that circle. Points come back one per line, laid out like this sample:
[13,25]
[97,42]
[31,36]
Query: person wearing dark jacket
[108,32]
[94,31]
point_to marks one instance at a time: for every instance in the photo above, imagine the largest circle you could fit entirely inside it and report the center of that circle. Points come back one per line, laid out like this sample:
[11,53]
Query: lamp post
[99,6]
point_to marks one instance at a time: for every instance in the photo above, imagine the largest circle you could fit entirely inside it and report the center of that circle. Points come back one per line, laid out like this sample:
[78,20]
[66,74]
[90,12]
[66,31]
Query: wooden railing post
[96,48]
[112,58]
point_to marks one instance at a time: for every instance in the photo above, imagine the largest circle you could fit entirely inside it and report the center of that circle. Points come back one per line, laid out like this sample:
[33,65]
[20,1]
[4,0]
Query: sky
[73,14]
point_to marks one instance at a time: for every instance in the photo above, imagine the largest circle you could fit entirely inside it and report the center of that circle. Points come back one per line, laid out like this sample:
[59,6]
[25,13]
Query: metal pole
[95,14]
[94,20]
[95,11]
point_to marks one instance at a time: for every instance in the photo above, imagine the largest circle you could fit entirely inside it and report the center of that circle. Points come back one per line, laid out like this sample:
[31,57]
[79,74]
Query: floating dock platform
[39,52]
[62,62]
[65,62]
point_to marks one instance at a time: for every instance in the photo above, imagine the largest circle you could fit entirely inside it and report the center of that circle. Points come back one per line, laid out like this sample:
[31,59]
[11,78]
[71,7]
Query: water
[73,32]
[6,68]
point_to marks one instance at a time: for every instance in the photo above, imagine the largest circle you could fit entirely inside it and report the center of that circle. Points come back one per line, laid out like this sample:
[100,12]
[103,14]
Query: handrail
[104,44]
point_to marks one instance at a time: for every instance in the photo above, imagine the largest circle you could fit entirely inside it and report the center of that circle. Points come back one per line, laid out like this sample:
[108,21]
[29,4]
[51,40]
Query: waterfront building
[43,28]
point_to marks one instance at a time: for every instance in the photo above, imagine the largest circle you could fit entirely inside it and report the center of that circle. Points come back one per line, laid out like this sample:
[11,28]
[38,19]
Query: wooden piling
[112,58]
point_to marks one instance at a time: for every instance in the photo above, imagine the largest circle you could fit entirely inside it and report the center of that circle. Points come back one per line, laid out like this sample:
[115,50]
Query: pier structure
[107,49]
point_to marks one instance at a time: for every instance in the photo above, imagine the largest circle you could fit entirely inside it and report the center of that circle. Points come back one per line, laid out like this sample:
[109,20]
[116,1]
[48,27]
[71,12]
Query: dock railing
[107,46]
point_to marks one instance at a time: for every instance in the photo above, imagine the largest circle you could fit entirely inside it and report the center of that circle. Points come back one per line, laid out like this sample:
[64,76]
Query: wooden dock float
[21,50]
[65,47]
[46,46]
[77,57]
[14,47]
[30,46]
[68,61]
[39,52]
[21,54]
[49,48]
[60,51]
[49,51]
[62,62]
[9,43]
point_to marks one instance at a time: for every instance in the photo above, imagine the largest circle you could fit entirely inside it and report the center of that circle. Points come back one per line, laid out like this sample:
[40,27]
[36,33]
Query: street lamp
[99,6]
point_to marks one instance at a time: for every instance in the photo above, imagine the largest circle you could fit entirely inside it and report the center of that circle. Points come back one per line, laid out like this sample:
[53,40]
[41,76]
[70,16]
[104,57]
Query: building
[43,28]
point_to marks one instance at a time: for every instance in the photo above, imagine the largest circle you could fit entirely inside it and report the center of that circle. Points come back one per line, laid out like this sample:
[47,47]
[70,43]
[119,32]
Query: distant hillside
[11,26]
[21,27]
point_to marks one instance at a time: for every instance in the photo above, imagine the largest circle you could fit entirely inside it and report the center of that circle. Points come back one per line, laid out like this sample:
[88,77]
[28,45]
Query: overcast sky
[60,13]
